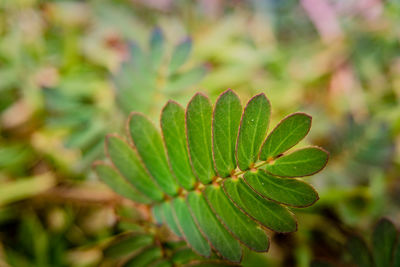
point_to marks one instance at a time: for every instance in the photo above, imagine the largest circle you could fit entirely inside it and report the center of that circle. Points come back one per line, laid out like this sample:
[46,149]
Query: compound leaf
[253,127]
[291,192]
[225,125]
[286,134]
[302,162]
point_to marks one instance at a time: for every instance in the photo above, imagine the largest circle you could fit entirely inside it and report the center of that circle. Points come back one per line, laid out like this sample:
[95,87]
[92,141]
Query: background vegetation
[70,72]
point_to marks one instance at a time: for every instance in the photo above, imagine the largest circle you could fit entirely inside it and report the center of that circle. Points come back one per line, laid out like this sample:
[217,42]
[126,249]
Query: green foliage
[385,246]
[156,70]
[247,196]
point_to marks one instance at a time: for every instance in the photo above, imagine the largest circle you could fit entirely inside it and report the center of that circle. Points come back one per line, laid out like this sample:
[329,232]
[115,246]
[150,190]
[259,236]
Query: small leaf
[158,214]
[189,229]
[185,80]
[383,242]
[219,237]
[149,144]
[302,162]
[225,126]
[127,245]
[268,213]
[253,128]
[359,252]
[162,263]
[180,55]
[198,130]
[173,129]
[118,184]
[145,258]
[396,258]
[290,192]
[240,225]
[286,134]
[184,256]
[169,218]
[156,47]
[129,165]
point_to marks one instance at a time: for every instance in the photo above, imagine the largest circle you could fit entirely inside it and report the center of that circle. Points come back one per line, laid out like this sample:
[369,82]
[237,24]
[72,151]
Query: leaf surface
[286,134]
[189,229]
[198,129]
[156,47]
[253,128]
[268,213]
[118,184]
[149,144]
[127,245]
[129,165]
[302,162]
[291,192]
[225,126]
[215,232]
[239,224]
[157,213]
[359,252]
[173,129]
[169,218]
[145,258]
[383,242]
[180,55]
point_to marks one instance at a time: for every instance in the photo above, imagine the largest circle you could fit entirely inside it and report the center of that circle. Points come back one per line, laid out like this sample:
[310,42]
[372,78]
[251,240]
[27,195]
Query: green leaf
[118,184]
[169,218]
[290,192]
[396,258]
[162,263]
[240,225]
[359,252]
[189,229]
[185,80]
[145,258]
[267,213]
[286,134]
[198,130]
[173,129]
[128,163]
[218,236]
[253,129]
[302,162]
[225,126]
[127,245]
[158,215]
[156,47]
[149,144]
[184,256]
[180,55]
[383,242]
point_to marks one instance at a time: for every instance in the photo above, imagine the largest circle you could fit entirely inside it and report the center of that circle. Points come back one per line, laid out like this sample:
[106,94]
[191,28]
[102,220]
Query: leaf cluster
[212,176]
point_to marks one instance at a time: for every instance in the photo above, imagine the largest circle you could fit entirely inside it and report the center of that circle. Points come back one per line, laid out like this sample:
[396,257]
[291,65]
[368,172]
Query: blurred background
[71,71]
